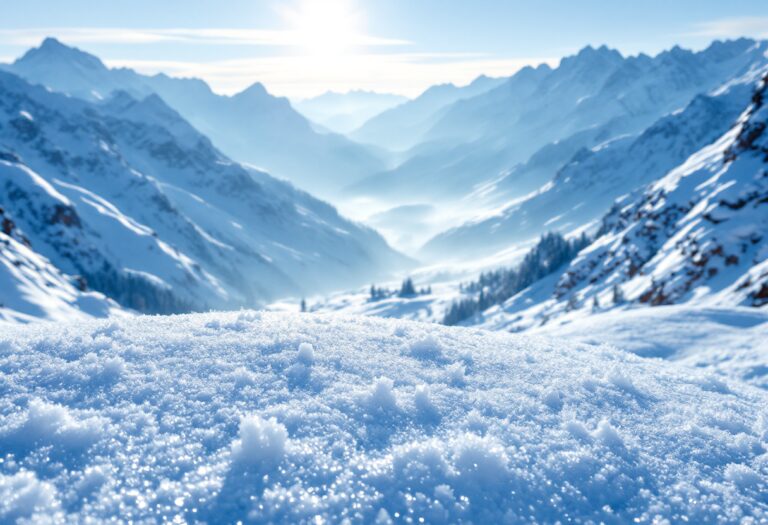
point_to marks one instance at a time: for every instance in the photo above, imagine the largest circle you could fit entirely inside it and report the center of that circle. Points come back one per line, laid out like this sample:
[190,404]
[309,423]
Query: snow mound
[22,495]
[197,418]
[261,444]
[306,354]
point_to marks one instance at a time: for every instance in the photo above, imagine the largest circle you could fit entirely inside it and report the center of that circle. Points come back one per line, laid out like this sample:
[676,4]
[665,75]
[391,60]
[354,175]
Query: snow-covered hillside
[31,288]
[251,127]
[270,417]
[730,342]
[696,235]
[585,186]
[699,231]
[129,195]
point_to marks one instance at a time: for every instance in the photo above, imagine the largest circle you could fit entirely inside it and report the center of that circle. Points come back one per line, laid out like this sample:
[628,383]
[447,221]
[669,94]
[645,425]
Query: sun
[326,28]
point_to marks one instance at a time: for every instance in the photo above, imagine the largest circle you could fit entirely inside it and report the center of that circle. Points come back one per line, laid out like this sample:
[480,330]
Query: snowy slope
[696,234]
[732,342]
[158,218]
[585,186]
[252,126]
[267,418]
[31,288]
[345,112]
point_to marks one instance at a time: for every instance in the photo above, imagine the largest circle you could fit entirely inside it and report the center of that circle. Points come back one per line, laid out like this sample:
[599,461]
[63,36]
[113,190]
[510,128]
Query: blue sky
[302,47]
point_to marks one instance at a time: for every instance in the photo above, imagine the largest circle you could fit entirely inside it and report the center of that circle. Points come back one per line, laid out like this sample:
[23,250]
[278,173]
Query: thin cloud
[754,26]
[216,36]
[293,75]
[300,76]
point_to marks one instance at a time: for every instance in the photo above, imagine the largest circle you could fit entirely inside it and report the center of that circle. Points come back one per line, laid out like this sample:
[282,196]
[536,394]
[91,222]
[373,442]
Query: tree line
[551,252]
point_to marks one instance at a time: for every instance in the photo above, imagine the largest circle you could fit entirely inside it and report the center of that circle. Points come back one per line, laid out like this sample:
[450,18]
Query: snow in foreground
[268,417]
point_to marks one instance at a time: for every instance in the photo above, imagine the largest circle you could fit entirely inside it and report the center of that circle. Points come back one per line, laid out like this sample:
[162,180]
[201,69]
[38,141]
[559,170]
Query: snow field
[266,417]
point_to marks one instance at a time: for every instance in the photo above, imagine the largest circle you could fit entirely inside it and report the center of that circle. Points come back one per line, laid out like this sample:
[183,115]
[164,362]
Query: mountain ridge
[157,211]
[326,163]
[502,127]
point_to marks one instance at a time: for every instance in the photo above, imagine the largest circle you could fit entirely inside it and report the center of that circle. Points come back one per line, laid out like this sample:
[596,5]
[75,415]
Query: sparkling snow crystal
[198,418]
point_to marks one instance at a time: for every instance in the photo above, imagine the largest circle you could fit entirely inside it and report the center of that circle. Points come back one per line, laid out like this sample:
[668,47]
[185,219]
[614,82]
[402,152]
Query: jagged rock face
[698,231]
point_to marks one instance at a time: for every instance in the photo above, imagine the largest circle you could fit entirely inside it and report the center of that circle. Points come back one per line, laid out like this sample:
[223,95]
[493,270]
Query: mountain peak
[256,89]
[52,43]
[122,101]
[53,51]
[602,51]
[483,80]
[592,56]
[121,98]
[721,50]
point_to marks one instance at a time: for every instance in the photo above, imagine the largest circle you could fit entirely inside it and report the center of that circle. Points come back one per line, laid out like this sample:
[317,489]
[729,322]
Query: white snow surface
[234,416]
[731,342]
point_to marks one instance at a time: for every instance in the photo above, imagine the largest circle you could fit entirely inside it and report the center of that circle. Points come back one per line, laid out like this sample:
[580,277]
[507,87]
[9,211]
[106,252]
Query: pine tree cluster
[407,289]
[492,288]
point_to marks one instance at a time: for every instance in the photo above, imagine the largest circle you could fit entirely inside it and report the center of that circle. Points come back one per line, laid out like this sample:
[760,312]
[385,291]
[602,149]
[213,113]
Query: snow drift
[204,418]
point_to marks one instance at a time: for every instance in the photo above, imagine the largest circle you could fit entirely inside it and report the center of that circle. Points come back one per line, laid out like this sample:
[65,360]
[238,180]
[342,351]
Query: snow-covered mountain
[129,195]
[585,186]
[597,94]
[251,127]
[403,126]
[698,231]
[345,112]
[696,235]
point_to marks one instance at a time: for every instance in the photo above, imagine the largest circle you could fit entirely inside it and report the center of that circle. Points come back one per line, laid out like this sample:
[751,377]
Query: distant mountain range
[590,98]
[345,112]
[653,168]
[406,125]
[694,233]
[586,185]
[252,126]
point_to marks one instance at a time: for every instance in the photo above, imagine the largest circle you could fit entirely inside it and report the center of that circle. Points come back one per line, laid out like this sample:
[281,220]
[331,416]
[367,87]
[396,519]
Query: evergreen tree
[618,294]
[573,303]
[551,253]
[407,289]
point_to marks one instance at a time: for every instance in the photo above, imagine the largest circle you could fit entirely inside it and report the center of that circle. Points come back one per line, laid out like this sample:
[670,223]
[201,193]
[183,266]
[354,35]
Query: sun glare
[326,28]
